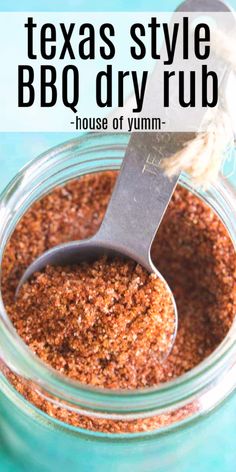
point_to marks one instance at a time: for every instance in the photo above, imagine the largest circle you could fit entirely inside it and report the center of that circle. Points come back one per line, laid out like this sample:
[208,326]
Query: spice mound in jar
[106,323]
[192,250]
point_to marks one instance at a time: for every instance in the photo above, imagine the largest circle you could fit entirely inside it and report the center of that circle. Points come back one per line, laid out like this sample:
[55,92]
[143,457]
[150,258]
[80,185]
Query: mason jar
[180,412]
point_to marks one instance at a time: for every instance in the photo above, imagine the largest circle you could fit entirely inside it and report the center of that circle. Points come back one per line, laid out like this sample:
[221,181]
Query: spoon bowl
[90,250]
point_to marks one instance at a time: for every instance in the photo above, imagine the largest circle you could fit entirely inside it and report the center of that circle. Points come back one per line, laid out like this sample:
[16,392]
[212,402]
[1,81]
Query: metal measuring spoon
[138,203]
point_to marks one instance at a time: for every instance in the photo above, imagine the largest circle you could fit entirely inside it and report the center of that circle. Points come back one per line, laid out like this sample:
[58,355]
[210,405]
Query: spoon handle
[141,195]
[143,191]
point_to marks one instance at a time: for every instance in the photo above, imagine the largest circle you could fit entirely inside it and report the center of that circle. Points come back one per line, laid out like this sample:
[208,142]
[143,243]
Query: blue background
[219,454]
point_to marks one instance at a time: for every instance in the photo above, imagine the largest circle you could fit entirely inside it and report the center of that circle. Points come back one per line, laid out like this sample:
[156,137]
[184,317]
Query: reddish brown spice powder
[192,250]
[107,323]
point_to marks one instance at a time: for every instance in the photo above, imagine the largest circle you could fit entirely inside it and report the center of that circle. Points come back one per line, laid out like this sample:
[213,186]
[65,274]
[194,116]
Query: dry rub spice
[193,251]
[107,323]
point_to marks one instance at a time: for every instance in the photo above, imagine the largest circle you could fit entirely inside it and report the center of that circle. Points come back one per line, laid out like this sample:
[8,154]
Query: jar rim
[22,360]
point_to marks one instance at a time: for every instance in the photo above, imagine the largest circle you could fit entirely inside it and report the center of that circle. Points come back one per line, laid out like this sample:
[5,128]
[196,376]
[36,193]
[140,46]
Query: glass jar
[43,442]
